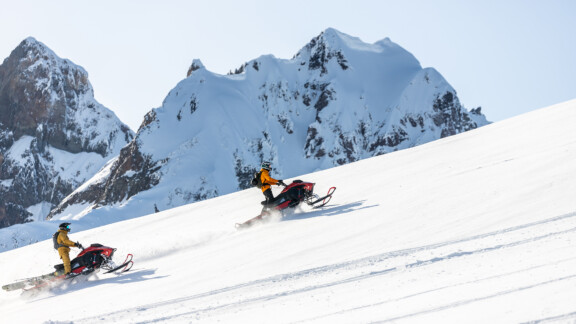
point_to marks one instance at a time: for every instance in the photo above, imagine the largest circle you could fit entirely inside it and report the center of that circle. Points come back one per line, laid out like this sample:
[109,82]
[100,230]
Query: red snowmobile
[292,195]
[96,256]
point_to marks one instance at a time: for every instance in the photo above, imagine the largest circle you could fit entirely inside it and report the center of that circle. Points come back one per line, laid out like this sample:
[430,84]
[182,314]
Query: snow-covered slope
[53,134]
[339,100]
[475,228]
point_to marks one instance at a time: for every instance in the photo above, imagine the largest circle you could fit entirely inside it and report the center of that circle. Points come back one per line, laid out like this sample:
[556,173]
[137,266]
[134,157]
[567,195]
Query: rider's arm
[64,240]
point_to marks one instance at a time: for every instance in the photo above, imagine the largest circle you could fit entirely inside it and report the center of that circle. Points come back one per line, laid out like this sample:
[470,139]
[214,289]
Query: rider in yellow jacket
[64,245]
[267,180]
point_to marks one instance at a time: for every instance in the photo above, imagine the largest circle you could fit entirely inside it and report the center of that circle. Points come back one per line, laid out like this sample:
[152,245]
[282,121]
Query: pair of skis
[125,266]
[325,200]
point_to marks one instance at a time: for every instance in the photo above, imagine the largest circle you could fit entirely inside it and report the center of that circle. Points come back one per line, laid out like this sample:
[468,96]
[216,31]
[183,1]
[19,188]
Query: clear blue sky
[508,56]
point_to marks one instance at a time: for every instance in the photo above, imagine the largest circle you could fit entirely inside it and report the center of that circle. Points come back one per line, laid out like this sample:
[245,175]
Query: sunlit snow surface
[475,228]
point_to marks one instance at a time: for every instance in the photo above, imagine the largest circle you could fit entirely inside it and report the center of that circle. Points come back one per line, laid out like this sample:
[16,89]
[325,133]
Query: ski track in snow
[204,306]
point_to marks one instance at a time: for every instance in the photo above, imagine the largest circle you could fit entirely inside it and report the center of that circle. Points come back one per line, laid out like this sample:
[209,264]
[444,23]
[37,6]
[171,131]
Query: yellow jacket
[267,180]
[64,240]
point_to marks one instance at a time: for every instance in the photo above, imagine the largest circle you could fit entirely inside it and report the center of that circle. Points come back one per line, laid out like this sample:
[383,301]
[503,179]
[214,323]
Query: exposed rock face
[337,101]
[53,134]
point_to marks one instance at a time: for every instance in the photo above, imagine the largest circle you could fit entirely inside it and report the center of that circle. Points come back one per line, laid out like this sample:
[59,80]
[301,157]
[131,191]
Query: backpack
[257,179]
[55,240]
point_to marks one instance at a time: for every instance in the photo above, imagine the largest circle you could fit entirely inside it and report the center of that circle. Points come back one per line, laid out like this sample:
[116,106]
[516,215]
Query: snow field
[475,228]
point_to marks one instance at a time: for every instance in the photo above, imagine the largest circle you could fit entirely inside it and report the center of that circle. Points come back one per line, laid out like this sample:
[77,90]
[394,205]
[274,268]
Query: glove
[78,245]
[281,183]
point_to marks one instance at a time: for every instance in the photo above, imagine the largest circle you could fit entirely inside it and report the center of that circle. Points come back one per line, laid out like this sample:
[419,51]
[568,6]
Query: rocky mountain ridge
[53,134]
[338,100]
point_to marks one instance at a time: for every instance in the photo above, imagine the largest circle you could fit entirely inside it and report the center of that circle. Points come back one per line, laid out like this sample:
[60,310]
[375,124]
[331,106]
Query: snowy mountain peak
[33,47]
[330,44]
[34,60]
[54,134]
[339,100]
[332,47]
[335,39]
[196,65]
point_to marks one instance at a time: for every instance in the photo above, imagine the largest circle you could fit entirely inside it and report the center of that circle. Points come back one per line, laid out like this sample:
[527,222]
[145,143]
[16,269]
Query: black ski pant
[269,196]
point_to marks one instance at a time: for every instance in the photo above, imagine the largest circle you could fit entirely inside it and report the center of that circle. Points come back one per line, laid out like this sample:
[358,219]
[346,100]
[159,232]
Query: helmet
[65,226]
[266,165]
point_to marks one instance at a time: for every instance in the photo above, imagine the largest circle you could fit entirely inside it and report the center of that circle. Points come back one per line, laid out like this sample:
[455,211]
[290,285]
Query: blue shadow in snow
[121,278]
[328,211]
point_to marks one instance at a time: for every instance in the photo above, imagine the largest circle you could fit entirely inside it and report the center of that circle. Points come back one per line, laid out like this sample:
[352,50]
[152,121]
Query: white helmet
[266,165]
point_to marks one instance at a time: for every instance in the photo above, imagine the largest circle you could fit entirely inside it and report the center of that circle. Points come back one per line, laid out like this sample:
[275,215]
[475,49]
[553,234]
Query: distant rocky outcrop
[53,134]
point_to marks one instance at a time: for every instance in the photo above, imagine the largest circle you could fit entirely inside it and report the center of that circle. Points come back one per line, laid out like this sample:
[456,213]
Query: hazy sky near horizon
[507,56]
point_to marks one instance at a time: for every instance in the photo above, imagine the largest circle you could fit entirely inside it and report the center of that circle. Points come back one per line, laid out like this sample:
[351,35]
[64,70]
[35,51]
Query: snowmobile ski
[39,282]
[47,282]
[262,218]
[127,265]
[325,200]
[32,281]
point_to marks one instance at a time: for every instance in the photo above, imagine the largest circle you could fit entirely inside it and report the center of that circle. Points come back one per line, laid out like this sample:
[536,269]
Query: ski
[34,282]
[127,265]
[253,221]
[27,282]
[325,200]
[45,283]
